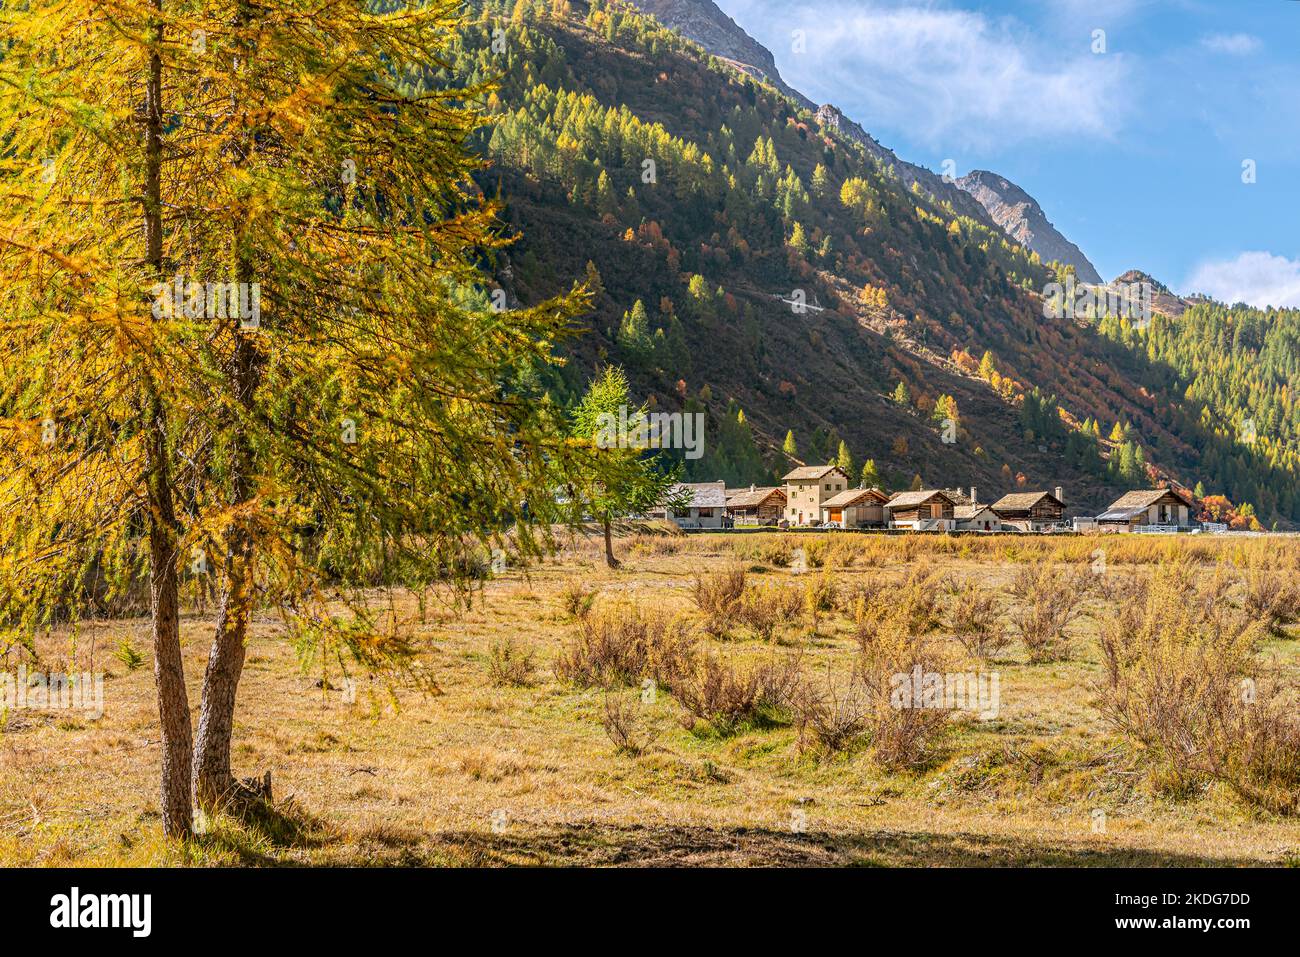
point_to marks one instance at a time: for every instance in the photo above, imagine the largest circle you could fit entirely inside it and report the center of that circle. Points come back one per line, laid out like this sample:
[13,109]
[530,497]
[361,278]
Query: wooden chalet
[1031,511]
[856,508]
[1155,508]
[926,510]
[756,506]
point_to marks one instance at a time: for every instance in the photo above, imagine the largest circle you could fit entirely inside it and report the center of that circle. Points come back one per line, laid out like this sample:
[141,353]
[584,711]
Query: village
[823,496]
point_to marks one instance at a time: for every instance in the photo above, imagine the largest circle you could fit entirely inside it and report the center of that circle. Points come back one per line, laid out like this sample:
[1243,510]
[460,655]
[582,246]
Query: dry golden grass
[490,771]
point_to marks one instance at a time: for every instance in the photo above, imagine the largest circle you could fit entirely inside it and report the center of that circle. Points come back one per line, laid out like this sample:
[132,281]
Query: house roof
[751,497]
[967,512]
[703,494]
[806,472]
[1137,501]
[1119,515]
[1023,500]
[958,496]
[854,496]
[909,499]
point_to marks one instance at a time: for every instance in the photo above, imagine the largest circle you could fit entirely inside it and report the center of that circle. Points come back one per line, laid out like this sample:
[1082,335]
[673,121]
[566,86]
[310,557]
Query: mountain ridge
[975,195]
[1022,218]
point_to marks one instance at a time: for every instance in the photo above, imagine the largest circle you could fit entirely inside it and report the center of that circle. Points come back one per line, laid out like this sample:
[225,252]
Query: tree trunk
[168,666]
[610,560]
[214,783]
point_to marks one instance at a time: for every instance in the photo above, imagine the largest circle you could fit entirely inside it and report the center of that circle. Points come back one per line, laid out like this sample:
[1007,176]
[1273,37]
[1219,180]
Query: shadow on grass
[261,833]
[601,845]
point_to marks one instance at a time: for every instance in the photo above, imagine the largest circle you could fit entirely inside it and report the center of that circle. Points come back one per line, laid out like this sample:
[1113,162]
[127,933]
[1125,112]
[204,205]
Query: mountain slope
[1023,220]
[701,204]
[1011,209]
[705,23]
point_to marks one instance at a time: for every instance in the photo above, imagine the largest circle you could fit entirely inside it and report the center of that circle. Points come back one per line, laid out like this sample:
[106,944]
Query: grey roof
[1141,499]
[910,499]
[806,472]
[752,498]
[704,494]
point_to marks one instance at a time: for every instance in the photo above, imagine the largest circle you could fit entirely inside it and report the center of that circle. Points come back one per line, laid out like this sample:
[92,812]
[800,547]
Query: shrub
[1182,683]
[768,607]
[127,654]
[577,599]
[509,665]
[1047,601]
[832,717]
[717,595]
[901,733]
[724,696]
[1271,598]
[973,621]
[820,594]
[623,725]
[620,645]
[915,601]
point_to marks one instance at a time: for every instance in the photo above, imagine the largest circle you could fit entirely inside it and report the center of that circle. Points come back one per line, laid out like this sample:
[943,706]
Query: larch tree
[244,332]
[620,474]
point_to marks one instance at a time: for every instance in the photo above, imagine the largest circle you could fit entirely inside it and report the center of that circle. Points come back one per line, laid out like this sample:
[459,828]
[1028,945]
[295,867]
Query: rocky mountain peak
[1023,220]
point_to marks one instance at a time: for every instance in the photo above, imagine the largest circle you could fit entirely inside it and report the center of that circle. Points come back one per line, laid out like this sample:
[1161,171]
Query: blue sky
[1135,153]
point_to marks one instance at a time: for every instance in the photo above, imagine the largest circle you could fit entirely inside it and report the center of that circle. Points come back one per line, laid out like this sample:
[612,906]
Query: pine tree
[789,447]
[799,240]
[634,332]
[870,477]
[844,459]
[988,367]
[901,396]
[619,478]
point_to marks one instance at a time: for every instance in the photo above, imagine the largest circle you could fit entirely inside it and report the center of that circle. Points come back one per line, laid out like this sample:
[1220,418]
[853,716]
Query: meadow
[733,699]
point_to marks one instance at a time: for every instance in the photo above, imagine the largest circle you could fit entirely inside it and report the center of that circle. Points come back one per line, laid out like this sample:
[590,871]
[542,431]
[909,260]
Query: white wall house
[707,506]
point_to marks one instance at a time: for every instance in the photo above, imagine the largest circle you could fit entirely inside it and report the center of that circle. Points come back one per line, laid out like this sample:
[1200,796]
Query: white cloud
[1234,44]
[955,79]
[1257,278]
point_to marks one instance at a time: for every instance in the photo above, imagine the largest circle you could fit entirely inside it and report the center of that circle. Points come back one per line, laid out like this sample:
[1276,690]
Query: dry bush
[1259,756]
[1182,682]
[662,544]
[1046,602]
[832,716]
[916,599]
[509,665]
[1271,598]
[902,733]
[622,724]
[768,607]
[725,696]
[620,645]
[880,550]
[973,621]
[577,598]
[863,594]
[820,595]
[769,549]
[717,595]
